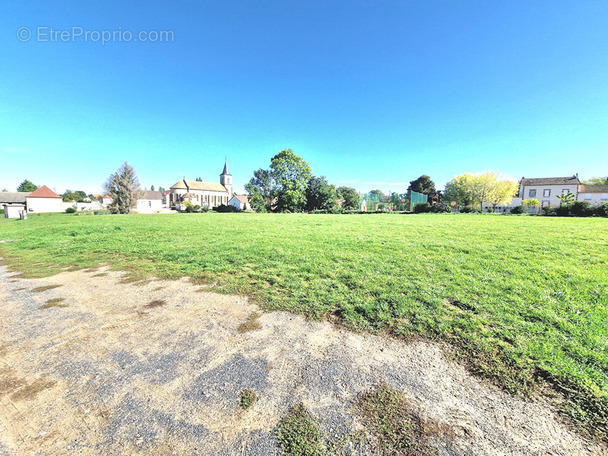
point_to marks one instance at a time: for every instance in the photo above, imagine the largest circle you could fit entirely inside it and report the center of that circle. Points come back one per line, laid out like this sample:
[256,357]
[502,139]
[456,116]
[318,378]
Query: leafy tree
[161,189]
[320,195]
[460,190]
[199,179]
[378,193]
[502,192]
[27,186]
[151,188]
[259,189]
[477,189]
[533,202]
[566,199]
[423,184]
[290,174]
[124,189]
[350,197]
[77,196]
[596,181]
[4,190]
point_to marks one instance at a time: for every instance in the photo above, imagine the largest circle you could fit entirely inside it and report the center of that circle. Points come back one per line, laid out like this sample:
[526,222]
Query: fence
[392,202]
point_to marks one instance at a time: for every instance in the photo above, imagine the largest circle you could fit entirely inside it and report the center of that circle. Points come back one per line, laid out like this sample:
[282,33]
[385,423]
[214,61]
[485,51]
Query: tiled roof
[242,199]
[572,180]
[13,197]
[593,188]
[150,195]
[208,186]
[43,192]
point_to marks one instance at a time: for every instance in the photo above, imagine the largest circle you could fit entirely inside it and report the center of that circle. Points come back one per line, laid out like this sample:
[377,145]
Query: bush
[70,210]
[490,210]
[547,210]
[581,209]
[466,210]
[517,210]
[205,209]
[421,208]
[224,208]
[602,210]
[562,211]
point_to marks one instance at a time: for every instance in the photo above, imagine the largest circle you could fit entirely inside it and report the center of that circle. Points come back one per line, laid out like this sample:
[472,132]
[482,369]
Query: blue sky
[371,94]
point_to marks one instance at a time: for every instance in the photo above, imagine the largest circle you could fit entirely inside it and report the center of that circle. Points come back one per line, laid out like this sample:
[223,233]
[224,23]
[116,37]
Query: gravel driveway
[117,368]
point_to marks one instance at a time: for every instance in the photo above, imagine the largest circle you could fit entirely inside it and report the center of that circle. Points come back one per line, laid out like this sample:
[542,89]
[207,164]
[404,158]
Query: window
[532,193]
[546,203]
[149,203]
[565,191]
[546,192]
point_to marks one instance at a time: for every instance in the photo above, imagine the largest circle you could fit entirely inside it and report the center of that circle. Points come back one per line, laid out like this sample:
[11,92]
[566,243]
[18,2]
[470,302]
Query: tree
[199,179]
[27,186]
[423,184]
[566,199]
[77,196]
[350,197]
[378,193]
[531,203]
[290,174]
[124,189]
[4,190]
[320,195]
[151,188]
[502,192]
[259,189]
[459,190]
[596,181]
[161,189]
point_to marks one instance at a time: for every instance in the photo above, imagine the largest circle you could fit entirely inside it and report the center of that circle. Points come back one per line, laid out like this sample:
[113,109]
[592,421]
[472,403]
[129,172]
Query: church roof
[43,192]
[193,185]
[226,172]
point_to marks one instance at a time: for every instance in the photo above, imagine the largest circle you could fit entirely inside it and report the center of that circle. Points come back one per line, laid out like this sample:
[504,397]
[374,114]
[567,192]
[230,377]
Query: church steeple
[226,179]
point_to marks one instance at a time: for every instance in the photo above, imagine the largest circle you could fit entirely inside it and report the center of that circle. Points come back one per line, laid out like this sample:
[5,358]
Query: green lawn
[524,300]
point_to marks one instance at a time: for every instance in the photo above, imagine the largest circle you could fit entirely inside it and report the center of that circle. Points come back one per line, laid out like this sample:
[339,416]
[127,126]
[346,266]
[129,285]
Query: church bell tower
[226,179]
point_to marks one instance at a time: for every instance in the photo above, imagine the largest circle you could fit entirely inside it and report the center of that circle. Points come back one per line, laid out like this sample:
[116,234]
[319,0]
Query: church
[203,194]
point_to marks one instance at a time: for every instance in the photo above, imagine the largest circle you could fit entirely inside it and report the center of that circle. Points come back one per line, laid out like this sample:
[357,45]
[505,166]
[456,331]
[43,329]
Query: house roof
[571,180]
[188,195]
[192,185]
[242,198]
[593,188]
[43,192]
[150,195]
[13,197]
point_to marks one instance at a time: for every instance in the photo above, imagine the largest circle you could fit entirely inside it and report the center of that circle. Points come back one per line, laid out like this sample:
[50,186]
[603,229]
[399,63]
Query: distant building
[44,199]
[547,189]
[204,194]
[13,198]
[240,202]
[593,194]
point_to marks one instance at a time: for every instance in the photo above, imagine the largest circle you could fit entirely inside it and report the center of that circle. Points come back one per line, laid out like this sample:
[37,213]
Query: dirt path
[157,369]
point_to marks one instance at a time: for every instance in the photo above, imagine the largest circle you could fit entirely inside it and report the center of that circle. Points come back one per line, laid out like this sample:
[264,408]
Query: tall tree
[423,184]
[596,181]
[124,189]
[320,195]
[350,197]
[161,189]
[477,189]
[151,188]
[27,186]
[290,174]
[502,192]
[259,189]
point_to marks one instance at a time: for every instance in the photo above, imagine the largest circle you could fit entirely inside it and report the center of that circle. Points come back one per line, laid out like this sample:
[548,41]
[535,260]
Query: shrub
[224,208]
[466,210]
[602,210]
[490,210]
[205,209]
[70,210]
[547,210]
[421,208]
[581,209]
[517,210]
[562,211]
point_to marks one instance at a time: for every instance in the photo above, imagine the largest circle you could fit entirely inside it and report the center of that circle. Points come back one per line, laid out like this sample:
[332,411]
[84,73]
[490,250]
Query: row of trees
[471,190]
[289,186]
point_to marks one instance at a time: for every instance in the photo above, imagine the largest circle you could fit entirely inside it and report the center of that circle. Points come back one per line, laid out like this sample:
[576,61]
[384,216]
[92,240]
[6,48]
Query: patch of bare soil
[103,377]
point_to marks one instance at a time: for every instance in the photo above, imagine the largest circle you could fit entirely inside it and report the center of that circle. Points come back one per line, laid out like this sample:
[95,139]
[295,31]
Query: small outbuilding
[240,202]
[150,202]
[44,199]
[13,210]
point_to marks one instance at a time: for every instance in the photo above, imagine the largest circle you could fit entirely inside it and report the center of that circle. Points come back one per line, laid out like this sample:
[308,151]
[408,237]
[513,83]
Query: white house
[593,194]
[240,202]
[150,202]
[547,189]
[13,198]
[44,199]
[204,194]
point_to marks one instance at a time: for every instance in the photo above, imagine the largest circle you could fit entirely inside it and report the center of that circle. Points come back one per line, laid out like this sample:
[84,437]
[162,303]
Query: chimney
[187,186]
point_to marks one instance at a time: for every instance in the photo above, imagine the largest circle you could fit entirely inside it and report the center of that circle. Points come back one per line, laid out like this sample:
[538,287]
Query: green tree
[151,188]
[259,189]
[161,189]
[199,179]
[502,192]
[477,189]
[124,189]
[290,174]
[459,190]
[596,181]
[27,186]
[77,196]
[350,197]
[423,184]
[531,203]
[566,199]
[320,195]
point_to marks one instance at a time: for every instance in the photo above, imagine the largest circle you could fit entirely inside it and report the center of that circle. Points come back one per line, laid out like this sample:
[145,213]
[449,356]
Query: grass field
[524,300]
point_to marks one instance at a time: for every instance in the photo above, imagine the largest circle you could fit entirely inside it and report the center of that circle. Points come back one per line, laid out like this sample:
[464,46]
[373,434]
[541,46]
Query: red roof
[242,199]
[43,192]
